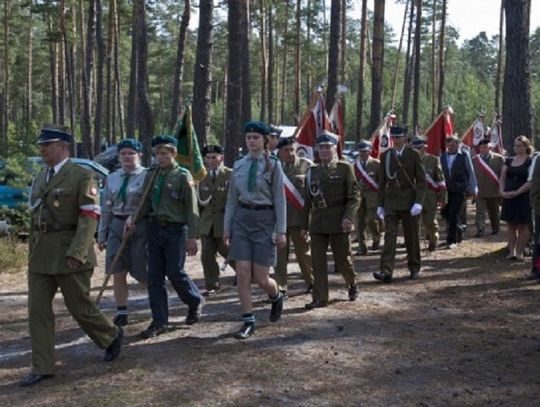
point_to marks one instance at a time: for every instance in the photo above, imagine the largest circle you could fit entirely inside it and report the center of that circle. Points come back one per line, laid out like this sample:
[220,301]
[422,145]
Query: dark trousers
[452,210]
[166,257]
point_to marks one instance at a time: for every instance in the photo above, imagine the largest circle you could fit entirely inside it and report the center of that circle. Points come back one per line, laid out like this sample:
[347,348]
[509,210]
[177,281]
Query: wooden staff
[126,236]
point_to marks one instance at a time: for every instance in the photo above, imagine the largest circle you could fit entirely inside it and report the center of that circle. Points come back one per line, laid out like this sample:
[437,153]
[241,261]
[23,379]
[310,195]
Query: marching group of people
[150,219]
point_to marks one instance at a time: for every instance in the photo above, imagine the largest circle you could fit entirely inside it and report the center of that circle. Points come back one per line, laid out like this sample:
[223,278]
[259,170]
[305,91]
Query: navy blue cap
[50,135]
[327,138]
[130,143]
[212,148]
[275,131]
[167,140]
[397,131]
[363,146]
[285,141]
[256,126]
[418,142]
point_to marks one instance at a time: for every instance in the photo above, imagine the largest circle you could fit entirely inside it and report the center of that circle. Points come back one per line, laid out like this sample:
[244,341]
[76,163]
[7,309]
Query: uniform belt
[163,222]
[45,227]
[122,217]
[256,207]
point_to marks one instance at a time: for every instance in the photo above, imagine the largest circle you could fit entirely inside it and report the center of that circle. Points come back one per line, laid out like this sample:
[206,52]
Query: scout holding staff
[64,204]
[123,192]
[172,232]
[366,169]
[435,193]
[402,188]
[255,222]
[294,169]
[212,197]
[331,204]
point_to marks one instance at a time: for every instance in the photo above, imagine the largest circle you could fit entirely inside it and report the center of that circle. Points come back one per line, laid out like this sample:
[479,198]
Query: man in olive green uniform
[332,201]
[435,193]
[402,189]
[212,197]
[64,214]
[487,168]
[367,175]
[294,169]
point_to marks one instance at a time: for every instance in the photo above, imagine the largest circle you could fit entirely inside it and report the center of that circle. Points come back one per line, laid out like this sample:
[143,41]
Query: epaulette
[343,162]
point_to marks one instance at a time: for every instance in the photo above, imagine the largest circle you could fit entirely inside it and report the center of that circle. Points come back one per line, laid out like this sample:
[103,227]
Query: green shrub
[13,254]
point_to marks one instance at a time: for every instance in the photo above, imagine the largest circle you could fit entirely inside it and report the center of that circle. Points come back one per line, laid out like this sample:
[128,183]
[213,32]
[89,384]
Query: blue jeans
[166,257]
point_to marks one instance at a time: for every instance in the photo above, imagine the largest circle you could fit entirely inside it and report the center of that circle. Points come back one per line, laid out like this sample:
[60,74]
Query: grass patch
[13,255]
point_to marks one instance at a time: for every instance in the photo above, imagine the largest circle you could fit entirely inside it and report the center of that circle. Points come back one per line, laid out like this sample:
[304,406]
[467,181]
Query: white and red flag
[474,134]
[440,129]
[381,140]
[337,122]
[495,134]
[314,122]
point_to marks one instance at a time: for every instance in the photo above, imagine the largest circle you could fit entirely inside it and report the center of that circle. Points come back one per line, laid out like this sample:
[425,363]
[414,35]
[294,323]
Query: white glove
[416,209]
[380,212]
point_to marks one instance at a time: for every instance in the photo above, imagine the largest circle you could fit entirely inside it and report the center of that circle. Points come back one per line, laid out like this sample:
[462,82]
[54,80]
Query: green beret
[130,143]
[256,126]
[170,140]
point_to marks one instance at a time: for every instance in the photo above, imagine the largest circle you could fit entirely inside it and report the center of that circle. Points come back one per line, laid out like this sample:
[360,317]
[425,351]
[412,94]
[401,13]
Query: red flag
[474,134]
[442,127]
[495,134]
[312,127]
[381,140]
[337,124]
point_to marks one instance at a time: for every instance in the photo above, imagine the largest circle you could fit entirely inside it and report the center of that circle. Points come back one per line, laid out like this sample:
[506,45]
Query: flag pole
[436,119]
[311,105]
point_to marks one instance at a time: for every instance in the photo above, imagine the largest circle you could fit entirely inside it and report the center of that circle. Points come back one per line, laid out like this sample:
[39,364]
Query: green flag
[189,155]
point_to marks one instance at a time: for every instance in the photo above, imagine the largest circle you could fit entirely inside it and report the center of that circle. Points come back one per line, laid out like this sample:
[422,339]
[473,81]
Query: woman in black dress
[516,208]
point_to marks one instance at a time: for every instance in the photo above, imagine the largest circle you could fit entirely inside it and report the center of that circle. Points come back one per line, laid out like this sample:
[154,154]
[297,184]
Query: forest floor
[466,333]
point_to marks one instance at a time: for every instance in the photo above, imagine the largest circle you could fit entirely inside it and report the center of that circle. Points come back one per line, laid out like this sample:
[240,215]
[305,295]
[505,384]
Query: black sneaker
[277,308]
[194,313]
[113,350]
[154,330]
[385,278]
[245,332]
[121,320]
[353,292]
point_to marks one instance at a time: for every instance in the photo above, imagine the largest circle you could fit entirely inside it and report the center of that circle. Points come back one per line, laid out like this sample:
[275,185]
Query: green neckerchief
[252,174]
[158,187]
[122,192]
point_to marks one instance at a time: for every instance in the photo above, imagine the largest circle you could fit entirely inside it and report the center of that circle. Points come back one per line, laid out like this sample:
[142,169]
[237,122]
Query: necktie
[50,174]
[158,187]
[364,165]
[122,192]
[252,175]
[214,176]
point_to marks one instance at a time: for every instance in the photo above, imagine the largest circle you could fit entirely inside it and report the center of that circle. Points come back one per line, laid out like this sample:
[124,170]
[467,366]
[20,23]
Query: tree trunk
[53,70]
[377,69]
[6,77]
[309,75]
[343,42]
[417,43]
[109,88]
[433,51]
[398,57]
[409,64]
[29,78]
[118,89]
[270,77]
[284,64]
[100,45]
[233,114]
[264,58]
[86,128]
[133,79]
[361,73]
[333,51]
[146,118]
[203,71]
[245,58]
[176,107]
[442,44]
[500,61]
[517,108]
[297,67]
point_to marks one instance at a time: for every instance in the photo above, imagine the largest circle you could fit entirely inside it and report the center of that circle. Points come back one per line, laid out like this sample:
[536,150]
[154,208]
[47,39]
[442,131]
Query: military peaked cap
[212,148]
[363,146]
[49,135]
[397,131]
[285,141]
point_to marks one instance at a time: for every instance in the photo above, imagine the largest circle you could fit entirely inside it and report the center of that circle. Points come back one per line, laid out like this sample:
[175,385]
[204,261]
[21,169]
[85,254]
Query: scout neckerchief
[252,174]
[122,192]
[160,181]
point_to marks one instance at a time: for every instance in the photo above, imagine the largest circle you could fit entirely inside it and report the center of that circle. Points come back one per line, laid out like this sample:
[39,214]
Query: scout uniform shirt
[296,173]
[172,199]
[64,215]
[369,195]
[212,197]
[268,190]
[487,187]
[120,200]
[402,180]
[332,194]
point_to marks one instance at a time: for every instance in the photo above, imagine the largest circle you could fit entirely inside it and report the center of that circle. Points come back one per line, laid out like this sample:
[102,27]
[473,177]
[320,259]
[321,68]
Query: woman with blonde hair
[514,188]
